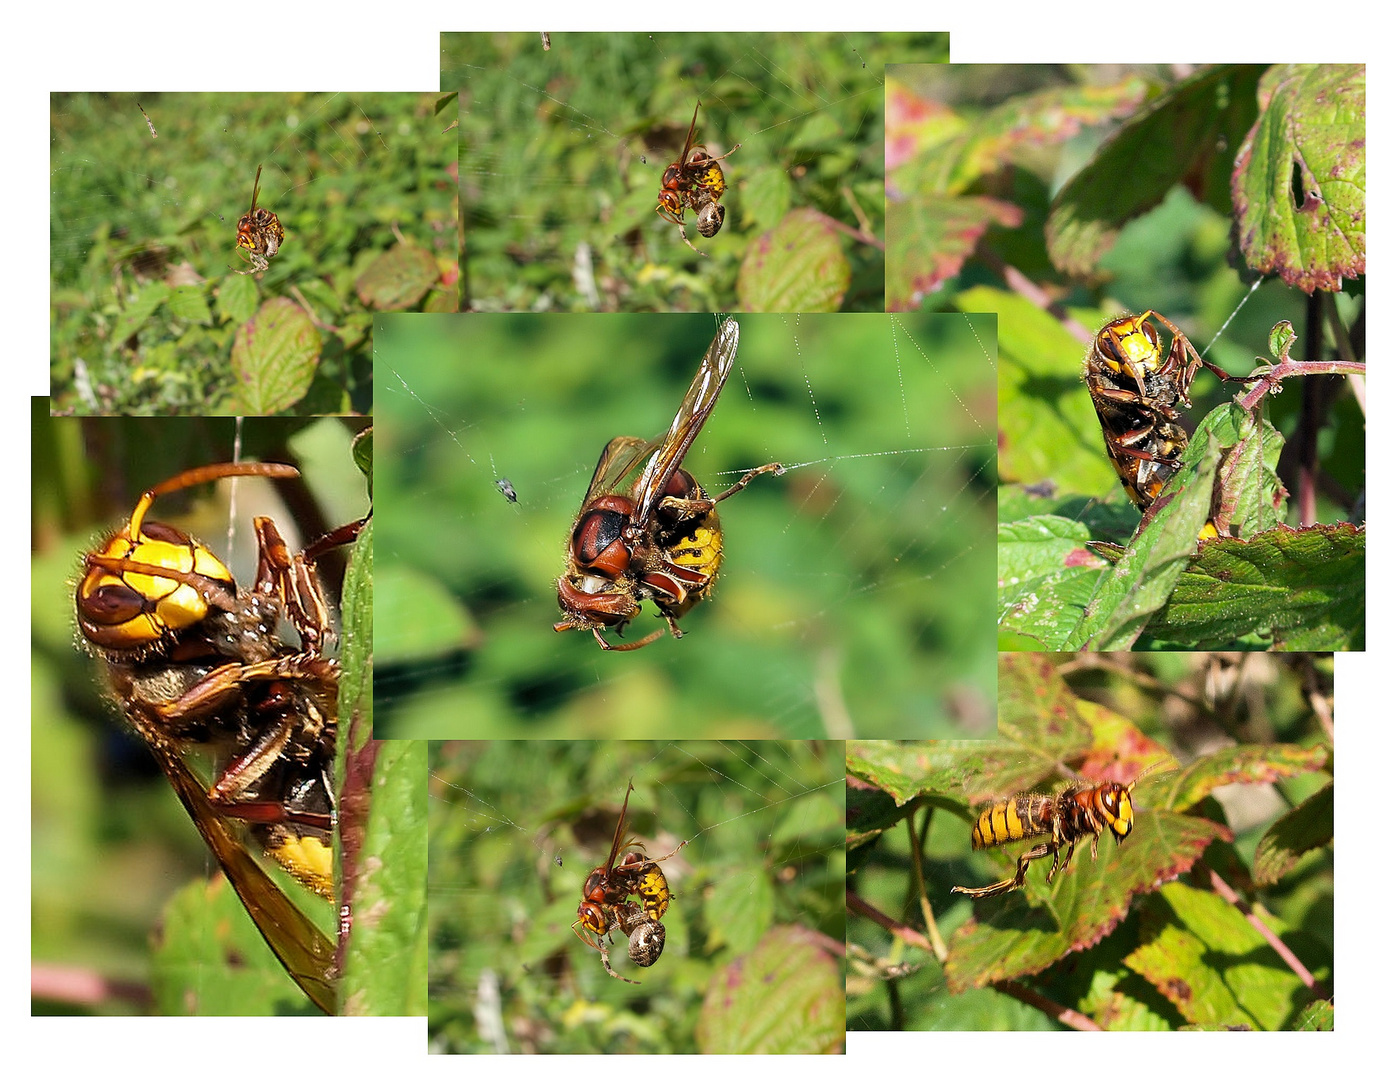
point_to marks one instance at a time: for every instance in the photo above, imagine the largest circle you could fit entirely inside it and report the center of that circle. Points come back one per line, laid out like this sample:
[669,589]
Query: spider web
[849,599]
[148,285]
[563,151]
[515,828]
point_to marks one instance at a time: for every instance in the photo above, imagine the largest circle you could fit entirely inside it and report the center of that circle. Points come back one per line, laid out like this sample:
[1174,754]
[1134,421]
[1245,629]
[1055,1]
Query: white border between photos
[185,46]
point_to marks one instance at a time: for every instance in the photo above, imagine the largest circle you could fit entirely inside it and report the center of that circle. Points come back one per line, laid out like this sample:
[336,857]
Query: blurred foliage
[1089,191]
[150,313]
[1143,938]
[563,151]
[854,591]
[110,839]
[756,916]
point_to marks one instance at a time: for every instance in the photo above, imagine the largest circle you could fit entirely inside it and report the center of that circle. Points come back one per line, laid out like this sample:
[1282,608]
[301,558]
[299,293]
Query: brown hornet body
[260,233]
[198,667]
[655,538]
[606,905]
[1064,817]
[1138,389]
[694,180]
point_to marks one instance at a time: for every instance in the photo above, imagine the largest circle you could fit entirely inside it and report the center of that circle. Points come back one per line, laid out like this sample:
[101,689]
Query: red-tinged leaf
[1037,709]
[397,279]
[784,997]
[1202,953]
[1023,932]
[798,266]
[1249,764]
[912,123]
[930,236]
[1298,187]
[1310,825]
[274,358]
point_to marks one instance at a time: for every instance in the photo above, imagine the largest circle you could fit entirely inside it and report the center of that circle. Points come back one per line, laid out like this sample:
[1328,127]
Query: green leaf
[1142,580]
[397,279]
[785,997]
[798,266]
[1301,588]
[1177,138]
[1202,953]
[237,298]
[739,909]
[142,307]
[931,236]
[1316,1016]
[274,358]
[210,960]
[1298,188]
[1251,497]
[386,961]
[363,452]
[188,303]
[767,197]
[1046,576]
[1310,825]
[1025,931]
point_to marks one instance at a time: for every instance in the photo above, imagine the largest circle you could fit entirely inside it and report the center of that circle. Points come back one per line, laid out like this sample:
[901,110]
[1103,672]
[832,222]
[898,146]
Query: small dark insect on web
[507,489]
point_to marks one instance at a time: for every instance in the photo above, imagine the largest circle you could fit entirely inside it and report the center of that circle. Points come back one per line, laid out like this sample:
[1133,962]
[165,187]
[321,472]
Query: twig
[906,933]
[939,947]
[1069,1017]
[862,237]
[1288,957]
[864,225]
[1035,295]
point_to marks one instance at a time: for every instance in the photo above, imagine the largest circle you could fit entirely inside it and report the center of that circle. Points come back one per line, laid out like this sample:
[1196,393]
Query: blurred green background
[515,828]
[110,841]
[563,152]
[983,139]
[145,298]
[856,590]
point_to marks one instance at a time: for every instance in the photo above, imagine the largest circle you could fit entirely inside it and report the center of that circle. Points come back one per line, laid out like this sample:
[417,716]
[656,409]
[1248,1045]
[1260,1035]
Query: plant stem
[1069,1017]
[1288,957]
[906,933]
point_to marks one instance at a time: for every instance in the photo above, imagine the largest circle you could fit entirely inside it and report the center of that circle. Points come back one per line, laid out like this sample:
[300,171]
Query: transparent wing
[306,953]
[694,410]
[619,459]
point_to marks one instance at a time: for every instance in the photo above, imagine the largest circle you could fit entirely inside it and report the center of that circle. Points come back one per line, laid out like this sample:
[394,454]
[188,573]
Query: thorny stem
[907,933]
[1068,1017]
[915,840]
[1288,957]
[1269,375]
[1035,295]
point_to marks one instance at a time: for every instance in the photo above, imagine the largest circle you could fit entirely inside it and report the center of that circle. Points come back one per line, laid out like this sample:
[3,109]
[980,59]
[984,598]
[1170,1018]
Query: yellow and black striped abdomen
[1005,822]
